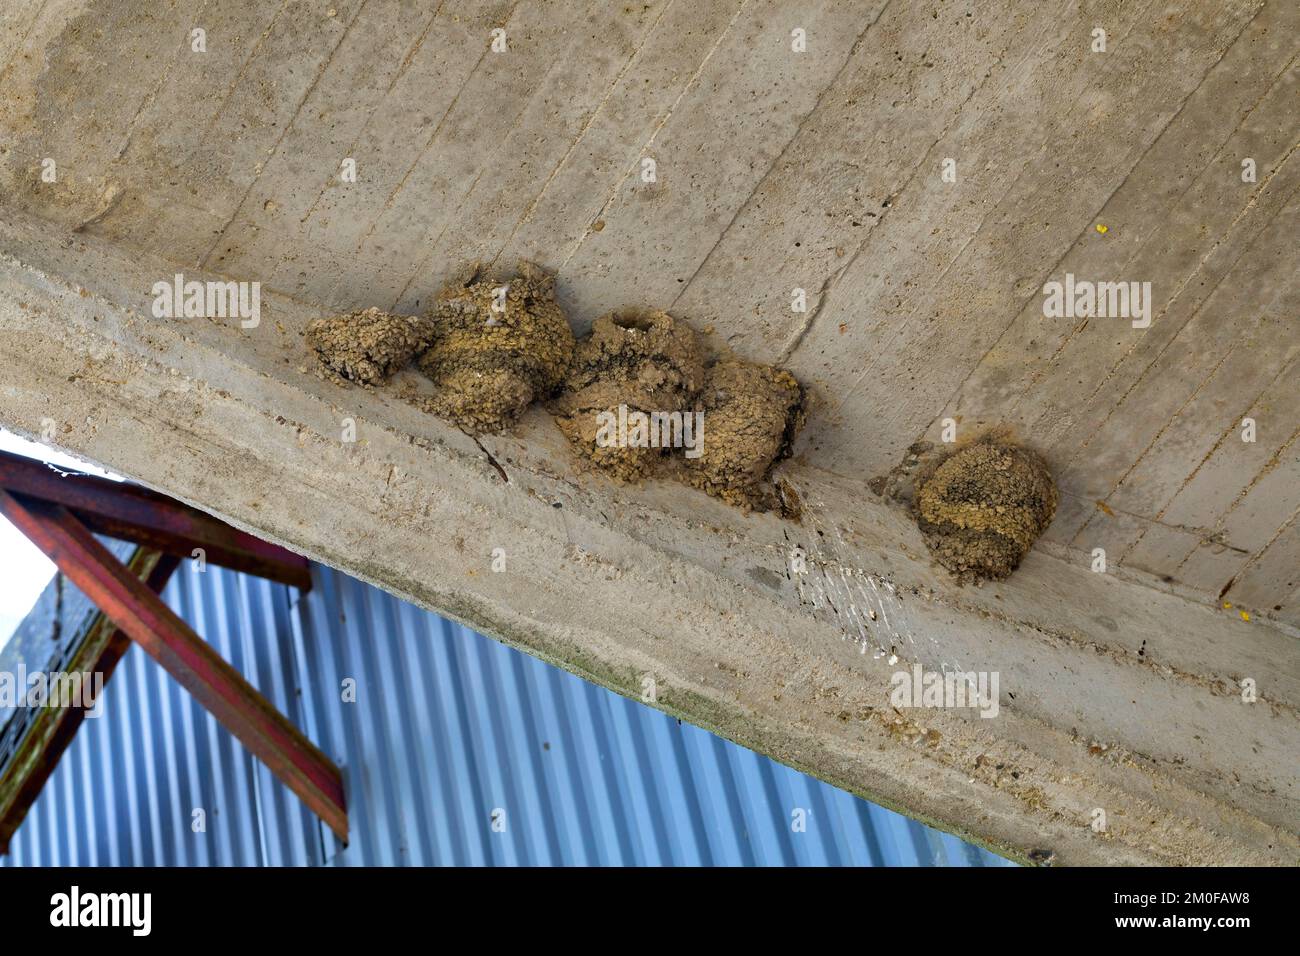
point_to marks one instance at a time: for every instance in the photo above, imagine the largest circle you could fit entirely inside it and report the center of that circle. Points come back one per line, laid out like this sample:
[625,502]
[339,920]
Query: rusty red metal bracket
[132,513]
[130,604]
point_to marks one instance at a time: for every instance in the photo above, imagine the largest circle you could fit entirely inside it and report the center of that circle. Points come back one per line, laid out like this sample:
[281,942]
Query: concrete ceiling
[774,171]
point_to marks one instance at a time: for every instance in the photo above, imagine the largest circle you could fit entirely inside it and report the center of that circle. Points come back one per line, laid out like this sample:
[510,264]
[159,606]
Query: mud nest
[983,507]
[634,361]
[751,415]
[495,352]
[365,347]
[640,397]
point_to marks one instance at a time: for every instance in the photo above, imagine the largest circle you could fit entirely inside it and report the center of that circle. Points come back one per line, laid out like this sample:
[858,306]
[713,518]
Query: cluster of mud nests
[980,507]
[638,397]
[641,397]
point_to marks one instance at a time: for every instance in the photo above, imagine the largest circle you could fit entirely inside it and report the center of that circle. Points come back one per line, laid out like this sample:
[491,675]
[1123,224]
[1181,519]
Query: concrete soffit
[1113,695]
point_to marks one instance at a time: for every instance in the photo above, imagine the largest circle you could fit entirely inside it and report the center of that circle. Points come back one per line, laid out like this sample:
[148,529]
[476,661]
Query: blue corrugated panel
[458,750]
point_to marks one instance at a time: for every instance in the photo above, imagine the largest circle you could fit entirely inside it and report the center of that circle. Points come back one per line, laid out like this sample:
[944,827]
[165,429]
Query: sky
[24,570]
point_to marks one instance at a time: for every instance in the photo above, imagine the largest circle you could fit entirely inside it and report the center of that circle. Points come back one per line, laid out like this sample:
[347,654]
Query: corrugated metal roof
[457,750]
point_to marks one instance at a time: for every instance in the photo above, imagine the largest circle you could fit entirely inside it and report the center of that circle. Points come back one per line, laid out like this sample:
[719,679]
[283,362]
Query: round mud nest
[497,346]
[365,347]
[983,507]
[751,415]
[635,362]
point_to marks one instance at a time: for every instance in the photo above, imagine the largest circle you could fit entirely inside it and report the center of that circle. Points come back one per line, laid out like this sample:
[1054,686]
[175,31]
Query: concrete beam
[1114,696]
